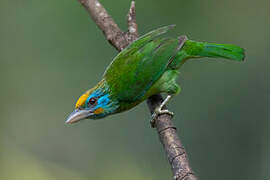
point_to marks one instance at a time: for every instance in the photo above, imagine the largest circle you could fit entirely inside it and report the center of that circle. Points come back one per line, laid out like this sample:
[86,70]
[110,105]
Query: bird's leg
[159,111]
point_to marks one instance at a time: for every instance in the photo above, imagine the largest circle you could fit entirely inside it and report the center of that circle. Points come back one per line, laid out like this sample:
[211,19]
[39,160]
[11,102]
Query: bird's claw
[158,112]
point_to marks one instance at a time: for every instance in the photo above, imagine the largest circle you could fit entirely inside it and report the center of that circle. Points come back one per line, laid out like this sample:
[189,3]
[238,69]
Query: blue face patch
[100,103]
[97,100]
[103,101]
[95,95]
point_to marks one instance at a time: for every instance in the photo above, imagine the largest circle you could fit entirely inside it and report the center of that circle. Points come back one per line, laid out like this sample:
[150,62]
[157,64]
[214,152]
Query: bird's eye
[92,101]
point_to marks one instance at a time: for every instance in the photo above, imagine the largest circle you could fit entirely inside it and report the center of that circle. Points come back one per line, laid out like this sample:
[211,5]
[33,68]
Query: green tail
[226,51]
[193,49]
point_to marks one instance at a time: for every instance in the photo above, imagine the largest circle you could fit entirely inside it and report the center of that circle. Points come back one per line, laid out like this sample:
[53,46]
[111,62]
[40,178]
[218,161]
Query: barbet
[146,67]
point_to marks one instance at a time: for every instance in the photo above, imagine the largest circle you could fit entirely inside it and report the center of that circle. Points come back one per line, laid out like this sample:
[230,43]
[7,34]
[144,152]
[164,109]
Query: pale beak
[77,115]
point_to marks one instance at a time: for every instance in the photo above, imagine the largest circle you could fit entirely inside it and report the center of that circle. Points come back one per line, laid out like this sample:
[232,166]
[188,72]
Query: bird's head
[93,104]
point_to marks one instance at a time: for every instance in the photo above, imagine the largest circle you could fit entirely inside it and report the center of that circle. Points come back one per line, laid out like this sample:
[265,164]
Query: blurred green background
[51,52]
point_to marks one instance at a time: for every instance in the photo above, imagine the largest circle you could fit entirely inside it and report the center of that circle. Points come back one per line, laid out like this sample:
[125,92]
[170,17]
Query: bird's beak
[77,115]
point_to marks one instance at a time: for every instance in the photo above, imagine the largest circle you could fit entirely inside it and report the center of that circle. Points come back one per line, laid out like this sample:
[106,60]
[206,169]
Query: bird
[148,66]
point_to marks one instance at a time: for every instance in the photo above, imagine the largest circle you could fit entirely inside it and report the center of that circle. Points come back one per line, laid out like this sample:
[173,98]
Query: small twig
[166,130]
[132,25]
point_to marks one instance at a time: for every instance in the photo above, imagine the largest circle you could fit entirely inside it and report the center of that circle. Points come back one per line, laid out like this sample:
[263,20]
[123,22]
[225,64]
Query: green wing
[140,65]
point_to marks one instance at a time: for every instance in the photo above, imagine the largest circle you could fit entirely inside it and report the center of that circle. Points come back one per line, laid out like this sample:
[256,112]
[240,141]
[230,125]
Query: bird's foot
[158,112]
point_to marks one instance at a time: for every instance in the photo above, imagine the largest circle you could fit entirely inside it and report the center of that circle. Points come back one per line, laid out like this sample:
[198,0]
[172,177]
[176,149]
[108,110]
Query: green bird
[146,67]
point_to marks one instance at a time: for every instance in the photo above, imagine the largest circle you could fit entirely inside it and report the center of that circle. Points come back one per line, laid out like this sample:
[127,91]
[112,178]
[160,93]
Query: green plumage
[149,65]
[146,67]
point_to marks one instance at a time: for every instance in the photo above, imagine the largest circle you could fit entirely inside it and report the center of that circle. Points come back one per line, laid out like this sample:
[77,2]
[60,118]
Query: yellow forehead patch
[81,100]
[99,110]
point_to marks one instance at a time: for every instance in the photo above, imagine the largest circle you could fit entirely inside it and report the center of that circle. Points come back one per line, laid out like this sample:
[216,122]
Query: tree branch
[104,21]
[166,130]
[175,151]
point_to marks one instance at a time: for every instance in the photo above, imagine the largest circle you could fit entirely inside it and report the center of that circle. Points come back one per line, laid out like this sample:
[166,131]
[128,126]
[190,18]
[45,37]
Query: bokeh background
[51,52]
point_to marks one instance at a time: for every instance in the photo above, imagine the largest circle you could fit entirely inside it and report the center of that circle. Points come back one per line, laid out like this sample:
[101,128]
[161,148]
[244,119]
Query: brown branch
[104,21]
[175,151]
[166,130]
